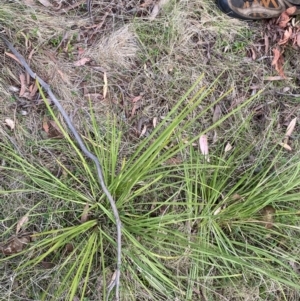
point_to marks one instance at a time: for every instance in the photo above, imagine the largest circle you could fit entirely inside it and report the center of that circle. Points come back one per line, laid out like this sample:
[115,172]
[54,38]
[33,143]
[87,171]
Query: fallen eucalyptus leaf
[10,123]
[23,220]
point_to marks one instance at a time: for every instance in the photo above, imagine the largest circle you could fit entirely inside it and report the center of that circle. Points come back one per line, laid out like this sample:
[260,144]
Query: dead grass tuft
[116,51]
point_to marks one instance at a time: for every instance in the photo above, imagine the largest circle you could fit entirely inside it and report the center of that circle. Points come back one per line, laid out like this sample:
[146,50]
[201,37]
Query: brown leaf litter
[278,61]
[16,243]
[52,129]
[282,31]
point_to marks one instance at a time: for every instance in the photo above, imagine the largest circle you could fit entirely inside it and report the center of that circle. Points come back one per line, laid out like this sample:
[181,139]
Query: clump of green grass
[189,228]
[192,229]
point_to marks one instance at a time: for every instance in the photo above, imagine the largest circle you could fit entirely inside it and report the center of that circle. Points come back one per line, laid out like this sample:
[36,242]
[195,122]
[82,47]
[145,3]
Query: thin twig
[116,281]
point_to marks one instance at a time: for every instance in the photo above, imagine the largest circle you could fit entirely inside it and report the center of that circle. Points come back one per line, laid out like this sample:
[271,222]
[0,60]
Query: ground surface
[134,60]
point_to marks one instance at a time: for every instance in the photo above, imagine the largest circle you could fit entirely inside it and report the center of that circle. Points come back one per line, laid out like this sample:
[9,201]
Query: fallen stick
[116,281]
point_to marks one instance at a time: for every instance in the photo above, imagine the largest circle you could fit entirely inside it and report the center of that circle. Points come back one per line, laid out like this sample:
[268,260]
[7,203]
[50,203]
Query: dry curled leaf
[285,146]
[15,245]
[283,20]
[277,55]
[134,108]
[228,147]
[23,84]
[286,36]
[33,90]
[278,61]
[203,144]
[45,124]
[218,210]
[13,57]
[85,213]
[217,113]
[236,197]
[291,10]
[154,122]
[143,132]
[291,127]
[286,89]
[10,123]
[54,130]
[82,62]
[215,137]
[23,220]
